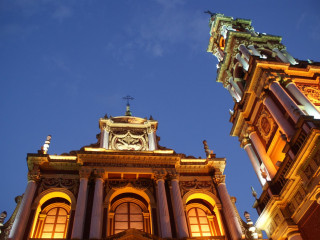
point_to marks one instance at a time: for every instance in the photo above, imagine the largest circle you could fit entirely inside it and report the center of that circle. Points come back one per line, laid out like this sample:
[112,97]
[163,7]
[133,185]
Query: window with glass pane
[55,224]
[128,215]
[199,225]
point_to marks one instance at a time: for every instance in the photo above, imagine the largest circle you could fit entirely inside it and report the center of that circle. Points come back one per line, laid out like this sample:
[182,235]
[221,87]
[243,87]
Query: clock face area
[129,142]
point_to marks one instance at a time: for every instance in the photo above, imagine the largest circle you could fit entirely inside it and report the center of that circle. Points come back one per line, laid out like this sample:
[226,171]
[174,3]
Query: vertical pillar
[163,208]
[280,55]
[254,161]
[289,57]
[286,101]
[236,87]
[233,93]
[263,154]
[104,139]
[97,209]
[277,115]
[146,222]
[245,51]
[308,106]
[228,210]
[22,217]
[243,62]
[178,208]
[152,140]
[79,217]
[255,52]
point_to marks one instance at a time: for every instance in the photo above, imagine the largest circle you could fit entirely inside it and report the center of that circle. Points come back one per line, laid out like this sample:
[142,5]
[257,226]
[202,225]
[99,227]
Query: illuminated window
[53,220]
[128,215]
[199,225]
[222,43]
[55,224]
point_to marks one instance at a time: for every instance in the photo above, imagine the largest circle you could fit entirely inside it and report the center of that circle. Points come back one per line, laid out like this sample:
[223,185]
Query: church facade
[126,186]
[276,119]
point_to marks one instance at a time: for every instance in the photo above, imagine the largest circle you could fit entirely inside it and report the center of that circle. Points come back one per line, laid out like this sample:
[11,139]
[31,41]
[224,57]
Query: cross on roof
[128,98]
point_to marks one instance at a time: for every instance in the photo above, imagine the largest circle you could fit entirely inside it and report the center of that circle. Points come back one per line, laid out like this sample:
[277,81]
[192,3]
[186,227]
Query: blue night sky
[65,64]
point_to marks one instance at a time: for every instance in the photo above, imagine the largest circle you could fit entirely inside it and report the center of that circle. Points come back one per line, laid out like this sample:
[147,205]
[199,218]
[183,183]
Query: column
[286,101]
[178,209]
[289,57]
[80,214]
[22,217]
[254,161]
[228,210]
[163,209]
[97,210]
[152,140]
[263,154]
[236,87]
[243,62]
[280,55]
[104,139]
[308,106]
[245,51]
[233,93]
[255,52]
[277,115]
[294,236]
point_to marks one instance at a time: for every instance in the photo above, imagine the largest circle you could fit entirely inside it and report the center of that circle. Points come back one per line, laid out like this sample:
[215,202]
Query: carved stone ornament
[186,186]
[70,184]
[219,179]
[34,173]
[265,125]
[141,184]
[312,92]
[129,141]
[308,171]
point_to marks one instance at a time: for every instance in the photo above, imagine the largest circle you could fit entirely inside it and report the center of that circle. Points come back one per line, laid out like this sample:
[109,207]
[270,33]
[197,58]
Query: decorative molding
[312,92]
[34,173]
[265,124]
[218,179]
[70,184]
[141,184]
[124,139]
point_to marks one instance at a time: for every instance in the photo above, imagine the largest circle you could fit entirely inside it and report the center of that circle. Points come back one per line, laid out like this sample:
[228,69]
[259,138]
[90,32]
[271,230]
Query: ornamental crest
[128,141]
[186,186]
[265,125]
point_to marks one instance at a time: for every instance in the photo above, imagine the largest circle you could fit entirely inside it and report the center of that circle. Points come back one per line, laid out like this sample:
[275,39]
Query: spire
[128,98]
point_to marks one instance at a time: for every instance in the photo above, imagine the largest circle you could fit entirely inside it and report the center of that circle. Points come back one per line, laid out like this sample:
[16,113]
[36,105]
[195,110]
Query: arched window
[128,215]
[55,223]
[127,211]
[202,219]
[199,224]
[53,219]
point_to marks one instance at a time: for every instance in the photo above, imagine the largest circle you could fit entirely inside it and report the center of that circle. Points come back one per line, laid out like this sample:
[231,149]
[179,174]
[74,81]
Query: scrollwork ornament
[34,173]
[218,179]
[98,173]
[84,173]
[265,125]
[70,184]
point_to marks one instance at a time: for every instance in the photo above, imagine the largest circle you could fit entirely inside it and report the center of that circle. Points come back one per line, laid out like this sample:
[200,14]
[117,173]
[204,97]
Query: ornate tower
[126,186]
[276,118]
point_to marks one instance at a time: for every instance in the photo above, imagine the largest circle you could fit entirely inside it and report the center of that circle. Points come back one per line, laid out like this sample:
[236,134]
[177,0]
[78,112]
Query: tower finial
[46,145]
[128,98]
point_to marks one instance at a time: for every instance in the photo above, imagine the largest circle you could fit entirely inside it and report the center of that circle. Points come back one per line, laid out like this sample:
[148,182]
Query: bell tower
[276,119]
